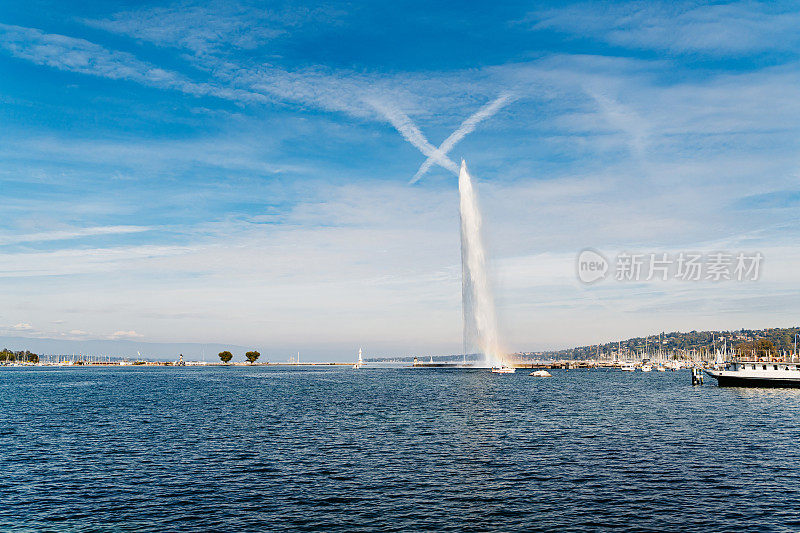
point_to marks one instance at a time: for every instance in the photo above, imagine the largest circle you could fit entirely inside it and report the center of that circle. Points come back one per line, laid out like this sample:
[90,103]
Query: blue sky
[239,172]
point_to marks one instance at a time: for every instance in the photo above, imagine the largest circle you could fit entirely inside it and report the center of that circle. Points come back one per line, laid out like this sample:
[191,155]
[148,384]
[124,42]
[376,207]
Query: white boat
[627,366]
[541,374]
[360,362]
[503,369]
[661,368]
[646,367]
[757,374]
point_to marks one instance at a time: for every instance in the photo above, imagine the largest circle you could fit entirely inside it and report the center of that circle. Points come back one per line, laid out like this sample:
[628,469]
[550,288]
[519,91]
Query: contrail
[625,119]
[467,127]
[411,133]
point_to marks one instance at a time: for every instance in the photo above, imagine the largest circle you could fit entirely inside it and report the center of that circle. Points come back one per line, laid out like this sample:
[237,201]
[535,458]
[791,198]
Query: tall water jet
[480,322]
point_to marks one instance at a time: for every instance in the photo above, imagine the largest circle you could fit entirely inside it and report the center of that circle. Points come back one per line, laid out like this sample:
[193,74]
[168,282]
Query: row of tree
[226,356]
[22,356]
[746,341]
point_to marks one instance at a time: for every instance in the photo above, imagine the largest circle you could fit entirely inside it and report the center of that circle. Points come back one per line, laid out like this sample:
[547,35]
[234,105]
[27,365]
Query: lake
[334,449]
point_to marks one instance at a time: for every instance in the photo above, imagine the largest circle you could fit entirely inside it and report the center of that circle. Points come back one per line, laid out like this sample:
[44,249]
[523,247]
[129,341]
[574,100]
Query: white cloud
[355,93]
[65,262]
[351,249]
[125,335]
[82,56]
[624,118]
[235,153]
[208,27]
[22,326]
[717,29]
[70,234]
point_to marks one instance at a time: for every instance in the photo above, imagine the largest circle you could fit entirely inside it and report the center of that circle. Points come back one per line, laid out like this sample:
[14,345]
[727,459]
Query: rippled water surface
[230,449]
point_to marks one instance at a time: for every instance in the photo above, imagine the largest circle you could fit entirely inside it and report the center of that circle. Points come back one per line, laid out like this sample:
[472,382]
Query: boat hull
[726,380]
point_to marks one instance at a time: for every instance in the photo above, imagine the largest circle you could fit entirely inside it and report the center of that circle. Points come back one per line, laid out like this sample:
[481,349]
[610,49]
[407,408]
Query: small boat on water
[661,368]
[541,374]
[757,374]
[503,369]
[646,367]
[627,366]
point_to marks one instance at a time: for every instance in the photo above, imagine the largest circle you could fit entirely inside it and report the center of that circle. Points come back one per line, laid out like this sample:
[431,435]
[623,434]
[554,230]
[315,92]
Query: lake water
[333,449]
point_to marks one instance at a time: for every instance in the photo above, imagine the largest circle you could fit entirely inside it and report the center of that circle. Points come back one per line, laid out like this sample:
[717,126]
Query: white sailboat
[360,362]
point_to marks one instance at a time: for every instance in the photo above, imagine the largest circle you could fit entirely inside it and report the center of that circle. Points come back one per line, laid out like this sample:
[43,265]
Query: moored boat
[757,374]
[503,369]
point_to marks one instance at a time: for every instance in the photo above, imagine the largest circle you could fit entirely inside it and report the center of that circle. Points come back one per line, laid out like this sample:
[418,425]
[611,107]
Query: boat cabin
[740,366]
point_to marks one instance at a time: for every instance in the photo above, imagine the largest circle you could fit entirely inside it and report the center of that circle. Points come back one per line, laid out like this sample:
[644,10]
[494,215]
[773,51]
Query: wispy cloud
[202,27]
[624,118]
[70,234]
[716,29]
[82,56]
[195,27]
[130,334]
[370,243]
[66,262]
[355,93]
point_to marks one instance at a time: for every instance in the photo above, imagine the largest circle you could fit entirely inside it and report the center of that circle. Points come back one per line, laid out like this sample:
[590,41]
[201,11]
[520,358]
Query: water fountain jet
[477,300]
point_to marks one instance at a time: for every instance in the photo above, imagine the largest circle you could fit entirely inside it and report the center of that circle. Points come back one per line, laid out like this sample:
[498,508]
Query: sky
[254,174]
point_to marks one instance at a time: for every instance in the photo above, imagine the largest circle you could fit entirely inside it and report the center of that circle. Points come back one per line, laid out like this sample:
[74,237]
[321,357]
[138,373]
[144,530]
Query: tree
[226,356]
[757,348]
[252,356]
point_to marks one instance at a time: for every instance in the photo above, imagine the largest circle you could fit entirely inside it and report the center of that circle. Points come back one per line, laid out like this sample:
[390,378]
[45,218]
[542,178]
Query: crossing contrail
[467,127]
[410,132]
